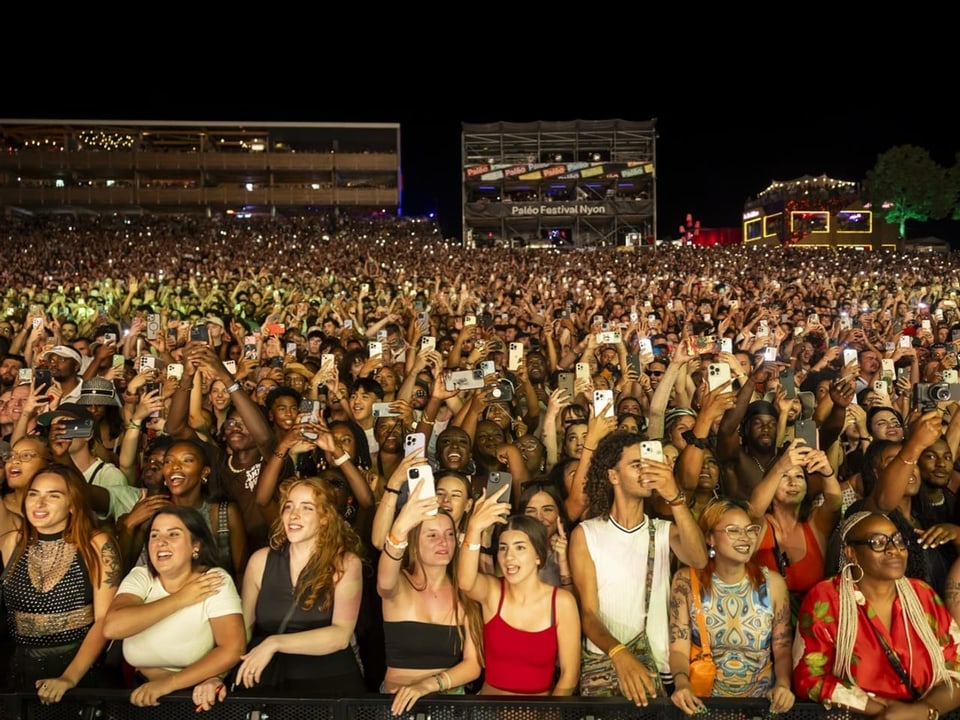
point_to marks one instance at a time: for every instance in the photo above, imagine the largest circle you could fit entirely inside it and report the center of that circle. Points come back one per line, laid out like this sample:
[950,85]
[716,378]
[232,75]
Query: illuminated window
[772,224]
[813,222]
[851,221]
[752,230]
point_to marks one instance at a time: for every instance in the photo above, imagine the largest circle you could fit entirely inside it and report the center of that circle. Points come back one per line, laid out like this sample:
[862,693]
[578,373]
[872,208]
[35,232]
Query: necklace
[45,562]
[763,468]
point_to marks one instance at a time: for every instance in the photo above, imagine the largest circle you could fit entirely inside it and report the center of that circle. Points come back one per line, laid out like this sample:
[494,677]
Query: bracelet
[392,490]
[681,672]
[587,447]
[392,557]
[680,499]
[446,679]
[615,649]
[279,455]
[439,682]
[396,543]
[566,580]
[184,389]
[428,422]
[474,546]
[905,461]
[231,389]
[342,459]
[134,426]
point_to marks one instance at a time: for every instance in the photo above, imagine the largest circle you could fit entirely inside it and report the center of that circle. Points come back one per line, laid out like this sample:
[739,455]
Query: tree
[909,185]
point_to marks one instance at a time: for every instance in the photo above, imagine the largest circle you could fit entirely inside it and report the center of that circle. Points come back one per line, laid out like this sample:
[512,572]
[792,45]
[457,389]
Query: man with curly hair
[620,560]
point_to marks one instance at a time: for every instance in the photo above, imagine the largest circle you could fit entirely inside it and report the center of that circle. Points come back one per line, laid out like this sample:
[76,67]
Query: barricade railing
[91,704]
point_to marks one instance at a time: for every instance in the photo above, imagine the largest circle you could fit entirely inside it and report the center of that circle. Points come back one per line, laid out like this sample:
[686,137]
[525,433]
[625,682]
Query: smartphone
[328,359]
[118,361]
[763,329]
[231,366]
[417,474]
[925,324]
[608,337]
[76,428]
[949,376]
[651,450]
[514,356]
[849,357]
[153,326]
[375,348]
[880,386]
[42,379]
[381,335]
[423,319]
[646,346]
[469,320]
[200,333]
[601,400]
[788,383]
[567,381]
[845,323]
[903,373]
[717,374]
[598,319]
[348,324]
[813,319]
[489,367]
[888,369]
[175,370]
[291,348]
[24,376]
[807,430]
[413,442]
[583,371]
[145,363]
[428,342]
[110,338]
[906,342]
[496,480]
[463,379]
[382,409]
[726,345]
[769,354]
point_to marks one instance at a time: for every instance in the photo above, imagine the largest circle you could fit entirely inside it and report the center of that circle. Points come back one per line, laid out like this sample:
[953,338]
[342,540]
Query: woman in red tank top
[529,625]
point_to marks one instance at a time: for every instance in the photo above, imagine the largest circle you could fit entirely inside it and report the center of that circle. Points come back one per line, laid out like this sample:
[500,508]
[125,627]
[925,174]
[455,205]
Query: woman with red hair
[745,610]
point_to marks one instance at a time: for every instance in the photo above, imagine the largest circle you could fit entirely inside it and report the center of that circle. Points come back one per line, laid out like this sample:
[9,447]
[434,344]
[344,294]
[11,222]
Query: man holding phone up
[620,560]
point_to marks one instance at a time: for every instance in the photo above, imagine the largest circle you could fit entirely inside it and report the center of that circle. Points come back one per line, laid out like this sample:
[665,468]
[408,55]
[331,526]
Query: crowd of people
[328,456]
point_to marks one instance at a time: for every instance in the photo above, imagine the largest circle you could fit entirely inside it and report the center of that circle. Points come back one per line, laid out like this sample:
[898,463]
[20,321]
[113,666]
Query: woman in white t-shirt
[180,617]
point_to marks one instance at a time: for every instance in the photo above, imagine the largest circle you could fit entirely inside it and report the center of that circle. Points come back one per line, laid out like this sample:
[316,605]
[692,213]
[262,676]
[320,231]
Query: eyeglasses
[878,542]
[19,457]
[654,372]
[735,531]
[231,424]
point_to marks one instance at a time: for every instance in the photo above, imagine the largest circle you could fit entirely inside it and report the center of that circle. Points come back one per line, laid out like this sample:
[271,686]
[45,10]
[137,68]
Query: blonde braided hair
[913,615]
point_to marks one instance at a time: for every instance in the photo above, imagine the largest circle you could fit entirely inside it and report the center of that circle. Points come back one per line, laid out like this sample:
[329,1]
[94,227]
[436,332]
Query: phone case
[651,450]
[602,398]
[717,375]
[413,442]
[496,480]
[514,356]
[416,474]
[583,371]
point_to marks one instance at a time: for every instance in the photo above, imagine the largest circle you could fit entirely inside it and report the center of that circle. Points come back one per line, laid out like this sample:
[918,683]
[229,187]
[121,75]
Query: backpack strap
[223,536]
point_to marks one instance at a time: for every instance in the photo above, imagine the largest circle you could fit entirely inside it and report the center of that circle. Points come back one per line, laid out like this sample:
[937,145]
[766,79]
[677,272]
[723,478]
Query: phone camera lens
[414,473]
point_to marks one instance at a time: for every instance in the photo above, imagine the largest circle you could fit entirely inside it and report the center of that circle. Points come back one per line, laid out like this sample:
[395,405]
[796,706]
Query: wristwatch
[692,439]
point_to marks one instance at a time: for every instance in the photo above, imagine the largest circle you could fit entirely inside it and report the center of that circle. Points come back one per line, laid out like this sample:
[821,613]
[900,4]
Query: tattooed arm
[680,623]
[781,695]
[104,588]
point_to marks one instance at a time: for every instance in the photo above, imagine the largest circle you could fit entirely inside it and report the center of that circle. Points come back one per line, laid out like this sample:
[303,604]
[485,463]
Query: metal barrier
[90,704]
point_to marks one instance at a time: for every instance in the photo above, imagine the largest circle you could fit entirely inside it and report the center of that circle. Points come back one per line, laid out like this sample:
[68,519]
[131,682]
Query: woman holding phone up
[530,627]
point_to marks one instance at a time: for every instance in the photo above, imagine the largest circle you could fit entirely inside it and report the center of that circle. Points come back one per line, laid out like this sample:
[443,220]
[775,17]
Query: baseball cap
[64,351]
[72,410]
[760,407]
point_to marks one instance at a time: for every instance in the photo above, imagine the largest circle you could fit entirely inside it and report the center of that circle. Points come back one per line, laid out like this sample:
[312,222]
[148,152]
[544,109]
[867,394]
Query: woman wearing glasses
[872,639]
[753,658]
[795,534]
